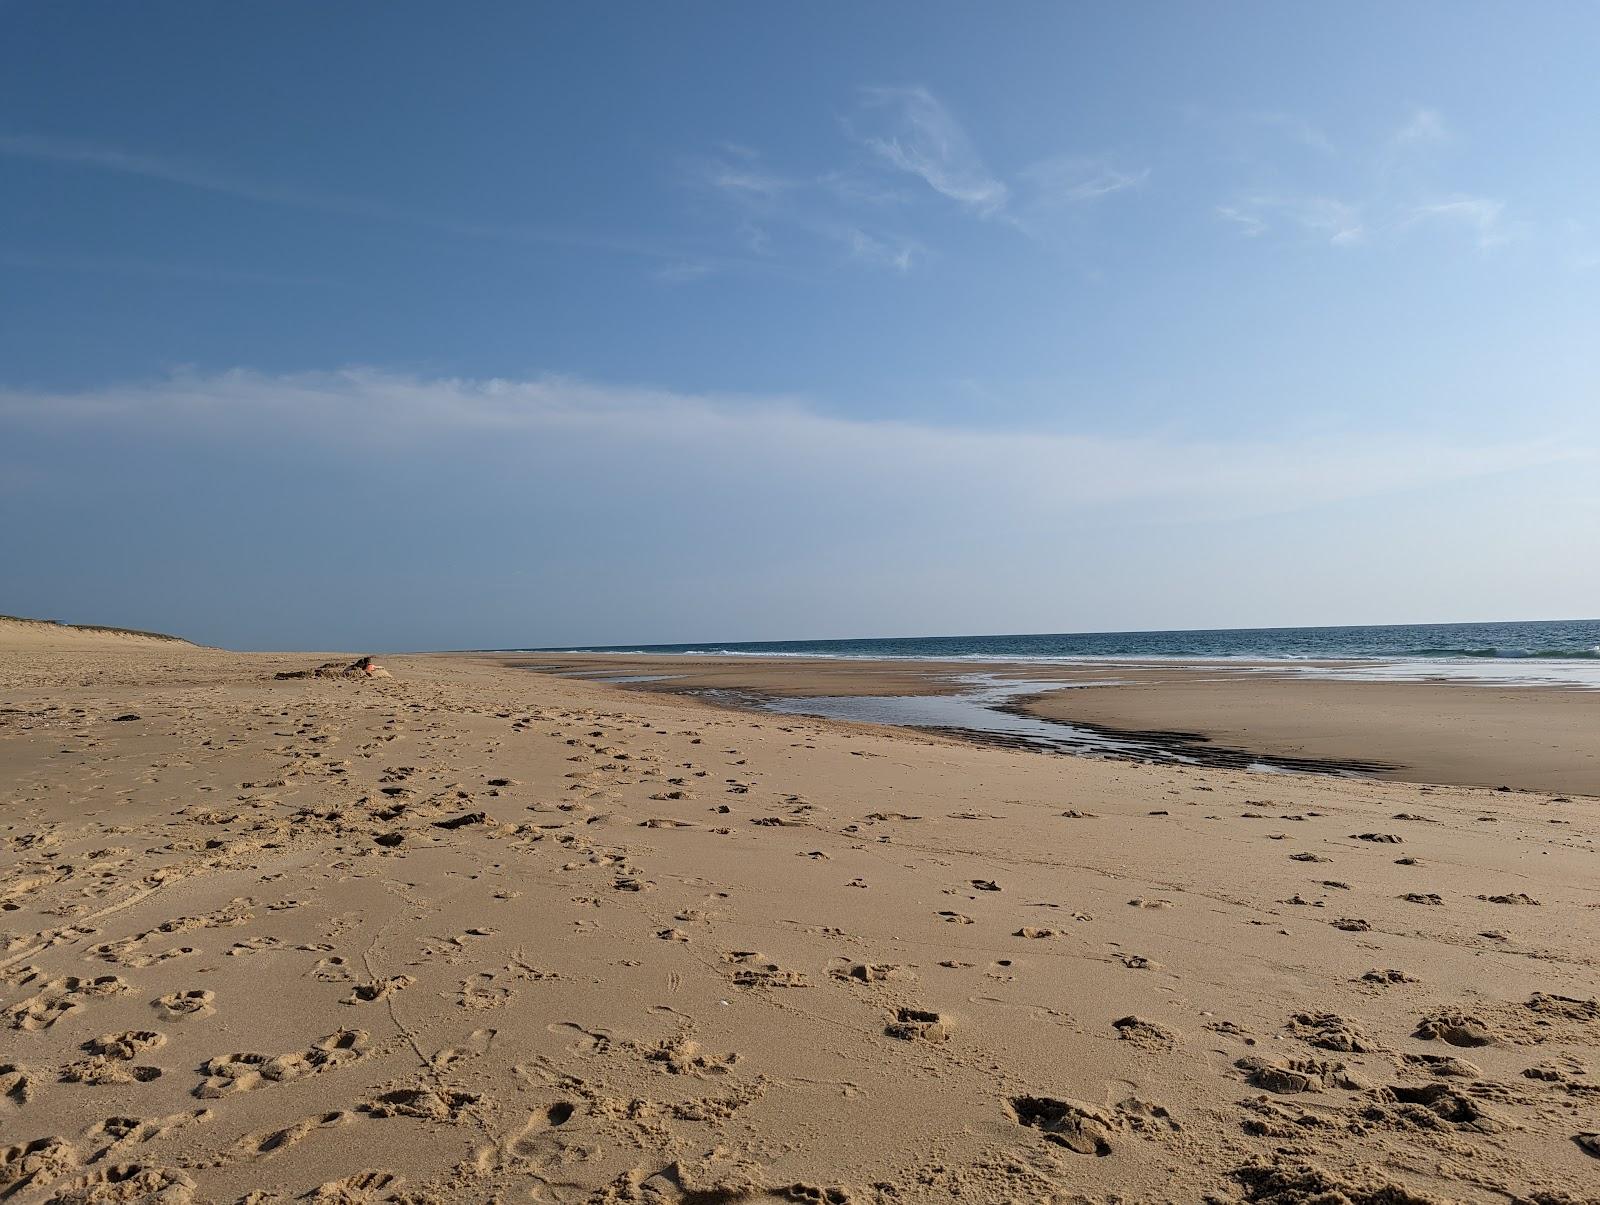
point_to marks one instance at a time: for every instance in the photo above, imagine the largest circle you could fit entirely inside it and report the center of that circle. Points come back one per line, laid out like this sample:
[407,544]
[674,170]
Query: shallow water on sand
[985,711]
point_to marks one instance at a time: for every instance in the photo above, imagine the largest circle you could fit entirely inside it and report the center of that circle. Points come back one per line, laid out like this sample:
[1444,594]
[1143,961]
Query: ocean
[1537,651]
[1555,639]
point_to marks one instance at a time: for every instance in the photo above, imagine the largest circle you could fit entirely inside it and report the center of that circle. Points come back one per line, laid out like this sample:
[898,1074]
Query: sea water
[1534,652]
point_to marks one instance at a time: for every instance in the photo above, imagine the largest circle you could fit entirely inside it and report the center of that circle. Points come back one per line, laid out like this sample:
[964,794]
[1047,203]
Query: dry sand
[477,934]
[36,635]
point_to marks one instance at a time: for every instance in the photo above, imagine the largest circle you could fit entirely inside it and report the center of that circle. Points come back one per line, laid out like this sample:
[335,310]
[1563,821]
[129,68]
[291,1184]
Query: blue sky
[402,325]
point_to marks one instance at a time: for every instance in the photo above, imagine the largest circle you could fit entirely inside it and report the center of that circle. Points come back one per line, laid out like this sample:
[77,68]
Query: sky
[398,325]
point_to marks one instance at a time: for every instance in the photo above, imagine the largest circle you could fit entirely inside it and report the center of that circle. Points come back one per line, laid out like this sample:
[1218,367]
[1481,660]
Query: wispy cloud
[1482,217]
[899,253]
[756,239]
[1423,126]
[684,271]
[157,269]
[174,171]
[1296,128]
[1261,137]
[929,468]
[769,207]
[1325,218]
[200,177]
[910,130]
[752,183]
[1072,179]
[1250,223]
[1387,193]
[856,188]
[915,133]
[867,210]
[860,212]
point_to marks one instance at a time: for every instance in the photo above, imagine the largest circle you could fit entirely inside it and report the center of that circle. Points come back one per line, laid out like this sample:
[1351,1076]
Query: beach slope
[471,933]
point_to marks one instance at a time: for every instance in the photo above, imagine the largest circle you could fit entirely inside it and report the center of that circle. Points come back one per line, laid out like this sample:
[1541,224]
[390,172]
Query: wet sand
[1532,738]
[1542,738]
[475,934]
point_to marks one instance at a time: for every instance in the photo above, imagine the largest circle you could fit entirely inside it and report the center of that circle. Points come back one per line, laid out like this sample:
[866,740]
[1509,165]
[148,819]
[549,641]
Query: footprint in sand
[918,1025]
[482,992]
[333,969]
[681,1055]
[379,989]
[233,1073]
[359,1189]
[1451,1108]
[252,945]
[1145,1034]
[16,1085]
[37,1013]
[476,1043]
[537,1142]
[1457,1028]
[59,997]
[273,1141]
[121,1134]
[129,1182]
[35,1164]
[1332,1032]
[1445,1065]
[581,1040]
[869,972]
[101,1069]
[1079,1127]
[753,969]
[424,1103]
[1288,1077]
[186,1006]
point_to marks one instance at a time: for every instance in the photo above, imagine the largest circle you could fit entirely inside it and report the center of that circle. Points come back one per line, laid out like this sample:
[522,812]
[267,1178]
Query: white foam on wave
[1510,671]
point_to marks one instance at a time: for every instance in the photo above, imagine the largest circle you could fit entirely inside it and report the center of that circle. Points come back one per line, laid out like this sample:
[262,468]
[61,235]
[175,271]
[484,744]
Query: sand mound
[364,667]
[18,634]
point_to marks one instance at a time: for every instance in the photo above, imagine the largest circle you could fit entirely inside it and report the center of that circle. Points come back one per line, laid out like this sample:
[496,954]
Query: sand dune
[18,634]
[475,934]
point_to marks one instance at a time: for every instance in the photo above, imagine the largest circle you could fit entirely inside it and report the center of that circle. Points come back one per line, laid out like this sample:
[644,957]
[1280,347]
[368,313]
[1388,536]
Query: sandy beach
[799,604]
[473,933]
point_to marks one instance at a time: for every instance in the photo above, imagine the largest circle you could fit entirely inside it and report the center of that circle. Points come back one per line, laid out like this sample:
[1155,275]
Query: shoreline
[1073,738]
[1543,673]
[1536,737]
